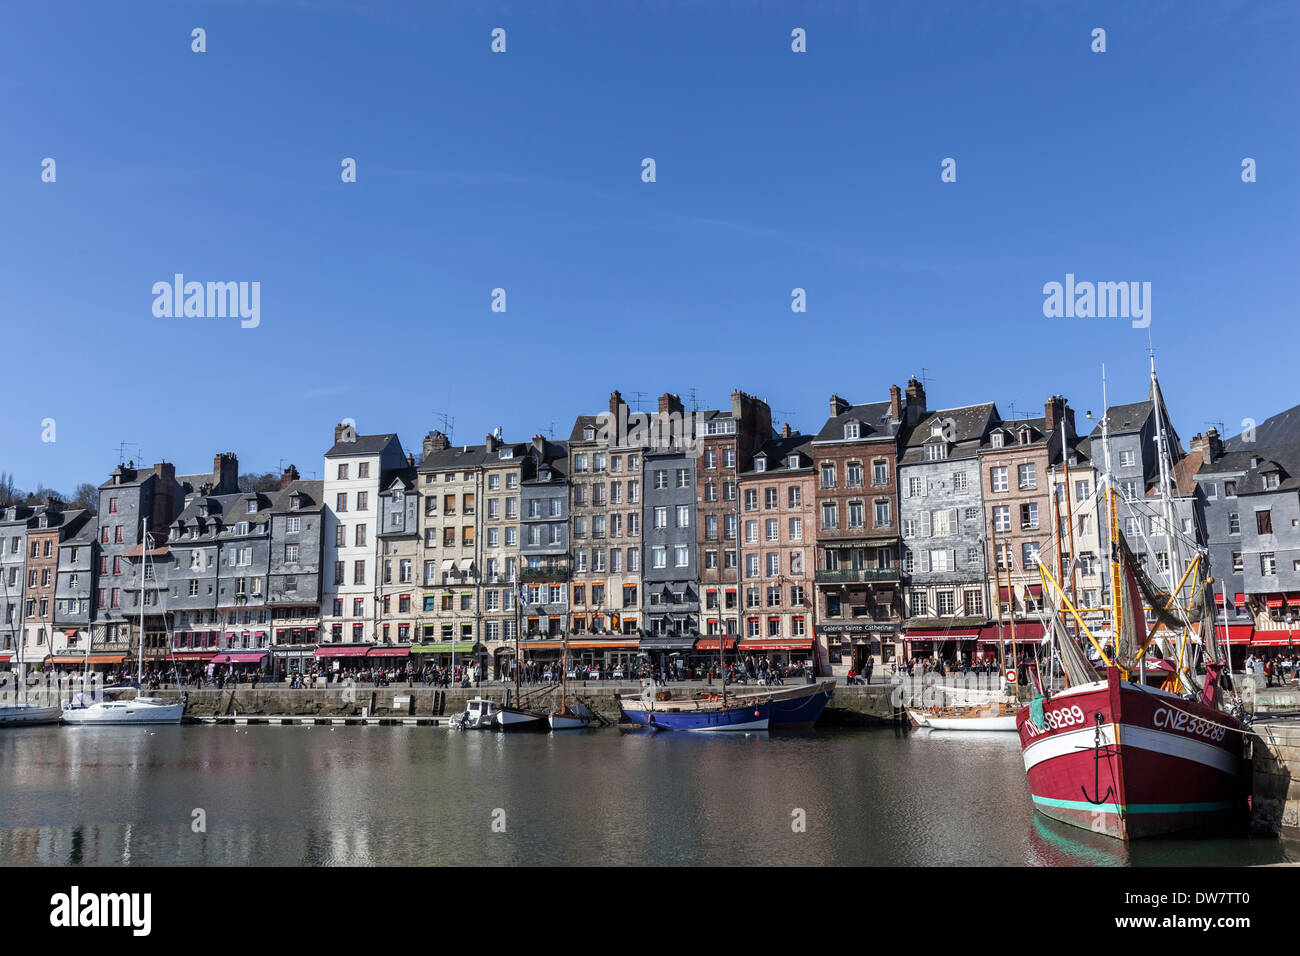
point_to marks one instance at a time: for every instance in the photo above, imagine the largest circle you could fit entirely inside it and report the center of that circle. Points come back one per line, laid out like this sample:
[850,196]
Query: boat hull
[29,715]
[125,712]
[700,720]
[568,722]
[998,722]
[1132,761]
[511,719]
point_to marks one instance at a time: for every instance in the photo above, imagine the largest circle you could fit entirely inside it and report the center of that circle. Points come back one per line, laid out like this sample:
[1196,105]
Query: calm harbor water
[293,796]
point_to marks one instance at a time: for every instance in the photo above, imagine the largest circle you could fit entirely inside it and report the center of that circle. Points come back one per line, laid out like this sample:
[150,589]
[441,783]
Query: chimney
[410,460]
[289,477]
[164,501]
[785,430]
[539,445]
[670,404]
[615,403]
[915,399]
[435,441]
[53,504]
[1053,413]
[490,443]
[839,405]
[338,433]
[225,473]
[895,403]
[1209,445]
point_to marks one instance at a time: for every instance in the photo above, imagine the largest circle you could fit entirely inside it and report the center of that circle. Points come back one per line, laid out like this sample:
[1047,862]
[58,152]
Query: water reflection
[404,796]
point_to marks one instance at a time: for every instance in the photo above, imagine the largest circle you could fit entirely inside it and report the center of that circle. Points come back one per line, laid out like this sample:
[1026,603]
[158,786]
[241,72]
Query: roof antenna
[448,425]
[638,398]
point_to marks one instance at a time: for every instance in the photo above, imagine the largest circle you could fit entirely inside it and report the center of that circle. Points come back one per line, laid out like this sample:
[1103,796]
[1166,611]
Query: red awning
[1004,593]
[758,644]
[1293,600]
[1026,631]
[194,655]
[342,650]
[1276,600]
[242,657]
[389,652]
[1034,590]
[1275,638]
[1240,600]
[1237,633]
[711,643]
[942,634]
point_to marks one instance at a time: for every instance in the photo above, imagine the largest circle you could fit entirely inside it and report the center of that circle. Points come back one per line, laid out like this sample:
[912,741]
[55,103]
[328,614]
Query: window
[880,472]
[683,477]
[883,514]
[659,557]
[1029,515]
[959,481]
[830,515]
[751,499]
[1234,522]
[853,474]
[852,431]
[936,451]
[1082,489]
[1230,489]
[660,478]
[828,474]
[681,555]
[1027,477]
[915,487]
[1237,567]
[1268,564]
[796,529]
[856,514]
[998,478]
[341,502]
[1002,518]
[943,602]
[1264,521]
[1029,553]
[770,499]
[290,552]
[1127,459]
[917,601]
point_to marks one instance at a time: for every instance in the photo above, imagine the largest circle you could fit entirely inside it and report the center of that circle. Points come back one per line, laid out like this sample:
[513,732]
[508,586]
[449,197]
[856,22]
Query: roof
[874,417]
[969,425]
[1283,459]
[137,476]
[364,445]
[1125,418]
[455,457]
[1280,429]
[778,450]
[312,493]
[583,422]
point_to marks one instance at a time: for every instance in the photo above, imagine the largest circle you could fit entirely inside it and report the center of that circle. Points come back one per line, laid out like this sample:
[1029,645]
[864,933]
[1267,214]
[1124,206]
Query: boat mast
[144,567]
[1112,523]
[1174,558]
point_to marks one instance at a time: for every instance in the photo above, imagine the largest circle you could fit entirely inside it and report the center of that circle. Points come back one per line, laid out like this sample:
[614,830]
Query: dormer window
[792,461]
[544,475]
[760,464]
[936,428]
[996,439]
[1024,436]
[295,501]
[252,506]
[506,453]
[589,434]
[241,527]
[852,430]
[1271,480]
[936,451]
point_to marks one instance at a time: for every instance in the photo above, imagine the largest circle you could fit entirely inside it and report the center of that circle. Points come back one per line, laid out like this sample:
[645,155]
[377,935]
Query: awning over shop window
[1240,600]
[1276,600]
[1280,637]
[759,644]
[1026,631]
[342,650]
[942,634]
[389,652]
[243,657]
[445,647]
[612,644]
[711,643]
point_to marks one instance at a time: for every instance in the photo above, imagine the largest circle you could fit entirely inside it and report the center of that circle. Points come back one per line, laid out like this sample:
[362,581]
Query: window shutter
[952,560]
[925,561]
[925,526]
[952,521]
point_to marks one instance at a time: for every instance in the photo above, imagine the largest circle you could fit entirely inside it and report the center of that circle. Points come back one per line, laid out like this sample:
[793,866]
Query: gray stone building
[13,576]
[945,549]
[544,543]
[294,576]
[671,600]
[74,592]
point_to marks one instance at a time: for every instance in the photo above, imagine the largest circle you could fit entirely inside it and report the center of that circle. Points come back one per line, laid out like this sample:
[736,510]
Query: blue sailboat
[698,714]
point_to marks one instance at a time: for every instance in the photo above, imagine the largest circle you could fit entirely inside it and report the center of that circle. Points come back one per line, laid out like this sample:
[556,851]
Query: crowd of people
[1275,670]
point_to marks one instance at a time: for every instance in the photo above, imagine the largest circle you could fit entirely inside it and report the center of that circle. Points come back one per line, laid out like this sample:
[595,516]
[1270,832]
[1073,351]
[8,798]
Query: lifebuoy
[1011,676]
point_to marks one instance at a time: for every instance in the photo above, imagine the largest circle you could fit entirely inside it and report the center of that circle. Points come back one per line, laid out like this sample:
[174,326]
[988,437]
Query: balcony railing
[859,576]
[542,574]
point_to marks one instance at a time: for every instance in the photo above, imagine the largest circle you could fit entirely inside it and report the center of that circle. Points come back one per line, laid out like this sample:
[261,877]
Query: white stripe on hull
[750,725]
[1001,722]
[1139,738]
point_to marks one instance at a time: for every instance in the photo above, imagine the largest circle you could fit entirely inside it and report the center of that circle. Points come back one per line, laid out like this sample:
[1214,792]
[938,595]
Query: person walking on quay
[871,665]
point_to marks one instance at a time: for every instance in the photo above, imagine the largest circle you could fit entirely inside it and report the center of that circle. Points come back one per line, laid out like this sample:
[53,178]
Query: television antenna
[448,424]
[123,446]
[639,399]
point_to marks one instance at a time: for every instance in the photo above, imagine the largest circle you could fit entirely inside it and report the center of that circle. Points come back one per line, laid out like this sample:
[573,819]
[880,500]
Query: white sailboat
[137,710]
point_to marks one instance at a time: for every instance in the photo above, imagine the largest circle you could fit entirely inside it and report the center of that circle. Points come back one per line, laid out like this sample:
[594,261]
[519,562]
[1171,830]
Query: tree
[252,481]
[9,492]
[86,496]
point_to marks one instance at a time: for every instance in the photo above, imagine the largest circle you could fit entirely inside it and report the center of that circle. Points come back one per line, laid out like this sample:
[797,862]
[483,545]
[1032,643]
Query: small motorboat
[113,710]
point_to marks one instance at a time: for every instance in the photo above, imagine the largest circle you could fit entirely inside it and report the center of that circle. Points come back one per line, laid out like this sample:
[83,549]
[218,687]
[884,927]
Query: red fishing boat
[1117,755]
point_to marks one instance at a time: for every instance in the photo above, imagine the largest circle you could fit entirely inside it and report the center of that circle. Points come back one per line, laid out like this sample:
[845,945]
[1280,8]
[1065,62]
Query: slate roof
[456,457]
[1125,418]
[874,417]
[969,425]
[1280,429]
[583,422]
[313,494]
[778,450]
[364,445]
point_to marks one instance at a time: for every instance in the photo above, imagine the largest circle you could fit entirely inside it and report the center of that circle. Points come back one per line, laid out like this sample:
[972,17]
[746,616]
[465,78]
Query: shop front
[447,653]
[666,652]
[841,646]
[954,644]
[604,658]
[788,655]
[243,664]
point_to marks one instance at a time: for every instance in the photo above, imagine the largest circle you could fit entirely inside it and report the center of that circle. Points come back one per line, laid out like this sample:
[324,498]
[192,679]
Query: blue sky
[522,170]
